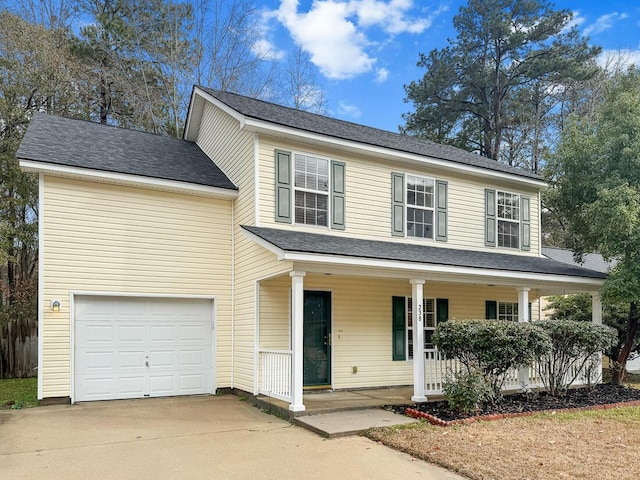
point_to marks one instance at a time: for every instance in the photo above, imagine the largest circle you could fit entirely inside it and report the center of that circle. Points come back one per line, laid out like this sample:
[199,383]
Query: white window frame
[326,193]
[409,313]
[431,209]
[510,310]
[517,222]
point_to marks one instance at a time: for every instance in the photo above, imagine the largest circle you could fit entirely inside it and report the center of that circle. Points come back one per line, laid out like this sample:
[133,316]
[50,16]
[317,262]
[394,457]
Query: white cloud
[381,75]
[347,110]
[576,21]
[263,48]
[391,16]
[615,60]
[604,22]
[334,32]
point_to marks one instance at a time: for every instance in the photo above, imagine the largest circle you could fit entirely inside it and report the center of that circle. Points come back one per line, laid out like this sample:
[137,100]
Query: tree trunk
[618,369]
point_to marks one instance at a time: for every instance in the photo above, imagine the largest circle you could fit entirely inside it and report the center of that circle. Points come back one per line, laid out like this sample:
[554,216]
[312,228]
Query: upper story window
[418,206]
[311,190]
[507,220]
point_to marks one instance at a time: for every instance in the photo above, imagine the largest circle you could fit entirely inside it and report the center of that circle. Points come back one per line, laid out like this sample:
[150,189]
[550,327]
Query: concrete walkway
[350,422]
[186,438]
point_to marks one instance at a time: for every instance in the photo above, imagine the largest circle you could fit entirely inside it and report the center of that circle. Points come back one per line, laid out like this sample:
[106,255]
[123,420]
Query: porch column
[596,319]
[297,316]
[596,304]
[417,295]
[523,316]
[523,304]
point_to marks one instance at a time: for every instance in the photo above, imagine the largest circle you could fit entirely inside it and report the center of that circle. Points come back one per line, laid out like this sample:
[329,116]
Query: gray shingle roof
[83,144]
[304,242]
[313,123]
[592,261]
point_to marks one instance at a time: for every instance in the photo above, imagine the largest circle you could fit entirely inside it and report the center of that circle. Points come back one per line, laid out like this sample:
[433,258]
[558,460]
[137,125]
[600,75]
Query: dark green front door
[317,339]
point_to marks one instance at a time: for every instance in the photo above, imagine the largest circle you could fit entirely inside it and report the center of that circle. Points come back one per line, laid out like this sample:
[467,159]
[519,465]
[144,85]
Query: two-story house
[271,251]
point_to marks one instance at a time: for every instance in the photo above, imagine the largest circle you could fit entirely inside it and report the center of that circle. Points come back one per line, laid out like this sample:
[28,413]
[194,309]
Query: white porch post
[596,303]
[418,341]
[297,317]
[523,304]
[523,316]
[596,319]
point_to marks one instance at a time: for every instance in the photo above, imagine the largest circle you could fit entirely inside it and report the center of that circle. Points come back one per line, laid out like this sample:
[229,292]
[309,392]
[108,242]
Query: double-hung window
[508,311]
[507,220]
[434,311]
[420,206]
[428,320]
[311,190]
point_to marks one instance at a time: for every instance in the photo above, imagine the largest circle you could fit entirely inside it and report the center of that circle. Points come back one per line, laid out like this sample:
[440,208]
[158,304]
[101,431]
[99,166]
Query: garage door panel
[191,383]
[194,334]
[131,359]
[97,361]
[192,358]
[162,359]
[96,334]
[132,334]
[114,342]
[132,386]
[162,333]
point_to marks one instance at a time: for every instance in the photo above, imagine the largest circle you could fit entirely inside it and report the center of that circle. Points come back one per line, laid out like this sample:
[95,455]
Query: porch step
[350,422]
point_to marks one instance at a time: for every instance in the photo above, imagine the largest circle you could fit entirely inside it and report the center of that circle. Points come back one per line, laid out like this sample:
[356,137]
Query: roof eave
[36,166]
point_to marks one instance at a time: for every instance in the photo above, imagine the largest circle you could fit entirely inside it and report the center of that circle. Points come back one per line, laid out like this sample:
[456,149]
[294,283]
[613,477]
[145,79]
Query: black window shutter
[491,310]
[399,327]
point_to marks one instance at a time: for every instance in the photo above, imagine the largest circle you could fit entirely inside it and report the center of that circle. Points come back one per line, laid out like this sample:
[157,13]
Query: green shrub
[572,345]
[466,392]
[491,348]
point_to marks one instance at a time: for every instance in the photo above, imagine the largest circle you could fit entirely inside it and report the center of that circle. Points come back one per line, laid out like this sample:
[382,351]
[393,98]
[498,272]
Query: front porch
[352,341]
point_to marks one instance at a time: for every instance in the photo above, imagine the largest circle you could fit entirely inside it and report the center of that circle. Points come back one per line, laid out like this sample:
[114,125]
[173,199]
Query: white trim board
[127,179]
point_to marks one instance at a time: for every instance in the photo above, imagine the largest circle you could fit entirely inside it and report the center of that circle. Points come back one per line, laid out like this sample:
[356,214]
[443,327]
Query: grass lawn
[590,445]
[19,393]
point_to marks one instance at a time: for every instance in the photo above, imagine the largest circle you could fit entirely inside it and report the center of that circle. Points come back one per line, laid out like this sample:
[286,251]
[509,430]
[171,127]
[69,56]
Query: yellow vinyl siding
[361,321]
[368,196]
[109,238]
[232,150]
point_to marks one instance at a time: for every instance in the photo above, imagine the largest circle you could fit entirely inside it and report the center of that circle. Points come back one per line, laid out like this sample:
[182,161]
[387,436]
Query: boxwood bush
[572,345]
[491,348]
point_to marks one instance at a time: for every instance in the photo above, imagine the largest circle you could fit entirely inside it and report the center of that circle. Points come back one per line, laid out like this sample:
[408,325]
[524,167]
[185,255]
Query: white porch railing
[438,368]
[275,373]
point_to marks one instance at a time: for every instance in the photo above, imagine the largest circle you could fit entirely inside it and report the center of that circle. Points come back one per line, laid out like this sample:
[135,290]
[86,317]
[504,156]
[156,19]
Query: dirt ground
[598,445]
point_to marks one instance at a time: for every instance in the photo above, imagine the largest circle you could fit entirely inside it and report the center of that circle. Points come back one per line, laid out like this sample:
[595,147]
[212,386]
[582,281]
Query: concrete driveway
[186,438]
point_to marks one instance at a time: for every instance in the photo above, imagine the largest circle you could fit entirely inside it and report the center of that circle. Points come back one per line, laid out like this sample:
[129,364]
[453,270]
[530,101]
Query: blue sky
[366,50]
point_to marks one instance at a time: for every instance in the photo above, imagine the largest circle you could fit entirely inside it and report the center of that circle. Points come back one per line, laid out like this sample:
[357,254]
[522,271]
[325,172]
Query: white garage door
[128,347]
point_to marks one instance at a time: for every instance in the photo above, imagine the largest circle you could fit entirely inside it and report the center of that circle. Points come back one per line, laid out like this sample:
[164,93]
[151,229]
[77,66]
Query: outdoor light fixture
[55,305]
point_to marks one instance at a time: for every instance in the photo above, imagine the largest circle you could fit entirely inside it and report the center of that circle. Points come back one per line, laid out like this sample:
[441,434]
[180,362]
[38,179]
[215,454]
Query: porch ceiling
[333,254]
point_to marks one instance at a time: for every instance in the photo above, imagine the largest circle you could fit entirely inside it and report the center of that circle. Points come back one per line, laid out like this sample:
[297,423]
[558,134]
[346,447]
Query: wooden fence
[19,349]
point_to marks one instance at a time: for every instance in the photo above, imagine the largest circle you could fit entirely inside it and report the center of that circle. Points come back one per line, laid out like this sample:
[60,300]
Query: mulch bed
[601,396]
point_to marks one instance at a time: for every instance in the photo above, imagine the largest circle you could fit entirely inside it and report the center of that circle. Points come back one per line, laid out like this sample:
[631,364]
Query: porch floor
[317,402]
